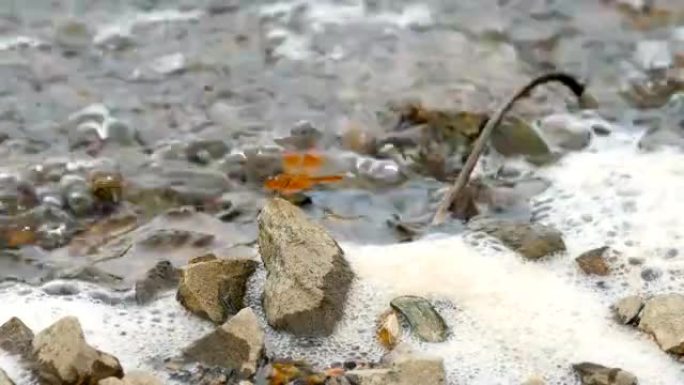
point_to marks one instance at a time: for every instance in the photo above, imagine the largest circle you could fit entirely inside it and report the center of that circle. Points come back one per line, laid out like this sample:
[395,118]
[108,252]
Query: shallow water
[177,71]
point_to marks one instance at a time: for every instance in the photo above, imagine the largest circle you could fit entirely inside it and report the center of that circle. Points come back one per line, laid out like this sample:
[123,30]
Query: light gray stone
[308,276]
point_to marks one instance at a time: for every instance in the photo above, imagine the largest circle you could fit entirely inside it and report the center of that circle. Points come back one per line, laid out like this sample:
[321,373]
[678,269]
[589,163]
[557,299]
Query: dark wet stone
[205,151]
[16,338]
[594,374]
[649,274]
[533,241]
[163,276]
[425,322]
[173,238]
[601,130]
[218,7]
[303,136]
[61,288]
[593,262]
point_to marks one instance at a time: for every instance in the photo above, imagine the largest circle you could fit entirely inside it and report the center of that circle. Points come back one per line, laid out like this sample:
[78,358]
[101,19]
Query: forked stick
[567,80]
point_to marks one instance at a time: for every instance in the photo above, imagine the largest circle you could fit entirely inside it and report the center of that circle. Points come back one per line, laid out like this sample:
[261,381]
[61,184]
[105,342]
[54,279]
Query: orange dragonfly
[299,173]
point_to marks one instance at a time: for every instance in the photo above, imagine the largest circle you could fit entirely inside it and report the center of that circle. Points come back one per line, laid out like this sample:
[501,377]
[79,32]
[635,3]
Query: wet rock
[533,241]
[593,374]
[132,378]
[163,276]
[4,378]
[16,337]
[515,137]
[217,7]
[173,238]
[649,274]
[405,369]
[237,344]
[16,195]
[72,35]
[215,288]
[669,131]
[627,309]
[205,151]
[161,67]
[593,262]
[663,317]
[308,276]
[303,136]
[422,316]
[565,132]
[64,358]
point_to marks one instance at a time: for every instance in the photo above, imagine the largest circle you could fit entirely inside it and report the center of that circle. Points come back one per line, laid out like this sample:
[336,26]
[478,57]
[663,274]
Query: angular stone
[533,241]
[64,358]
[215,288]
[133,378]
[592,262]
[308,276]
[422,316]
[238,344]
[16,338]
[593,374]
[627,309]
[663,316]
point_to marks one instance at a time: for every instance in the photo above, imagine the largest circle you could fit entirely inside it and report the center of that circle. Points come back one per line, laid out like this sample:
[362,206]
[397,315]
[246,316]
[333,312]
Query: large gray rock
[238,344]
[4,378]
[533,241]
[593,374]
[64,358]
[132,378]
[308,276]
[405,369]
[663,316]
[16,338]
[215,288]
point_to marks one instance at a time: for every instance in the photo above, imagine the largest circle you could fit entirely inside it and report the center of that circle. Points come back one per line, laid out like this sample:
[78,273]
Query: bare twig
[567,80]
